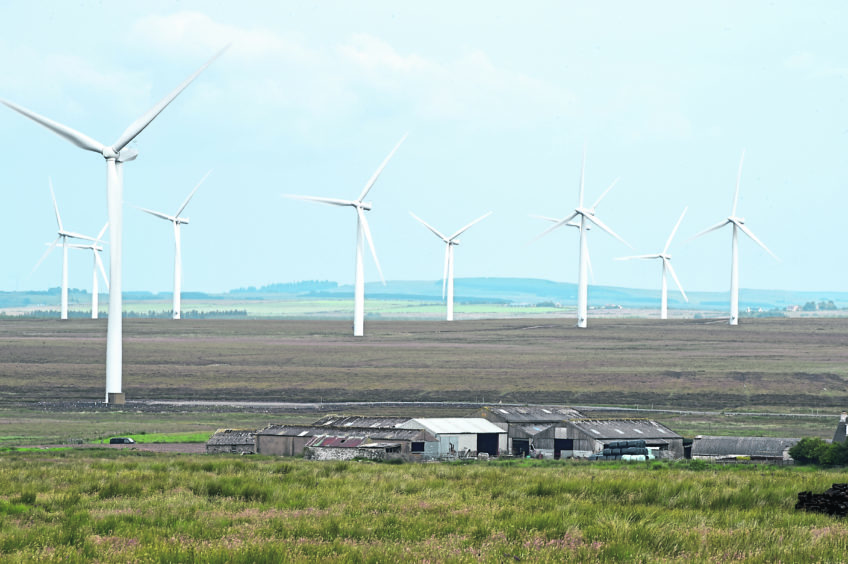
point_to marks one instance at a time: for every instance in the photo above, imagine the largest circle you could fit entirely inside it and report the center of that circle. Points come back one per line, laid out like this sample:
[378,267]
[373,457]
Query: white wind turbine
[586,217]
[738,224]
[451,242]
[98,264]
[176,220]
[666,269]
[63,236]
[115,155]
[362,232]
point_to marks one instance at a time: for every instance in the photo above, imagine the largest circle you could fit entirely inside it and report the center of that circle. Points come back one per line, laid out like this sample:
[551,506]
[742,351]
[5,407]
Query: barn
[231,441]
[760,449]
[531,429]
[584,437]
[329,447]
[291,440]
[460,436]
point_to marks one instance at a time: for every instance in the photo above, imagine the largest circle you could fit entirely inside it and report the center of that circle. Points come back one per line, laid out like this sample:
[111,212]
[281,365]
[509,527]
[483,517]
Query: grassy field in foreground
[118,506]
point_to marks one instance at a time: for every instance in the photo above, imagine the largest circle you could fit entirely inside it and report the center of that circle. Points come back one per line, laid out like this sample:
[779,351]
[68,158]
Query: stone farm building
[328,447]
[584,437]
[231,441]
[760,449]
[531,429]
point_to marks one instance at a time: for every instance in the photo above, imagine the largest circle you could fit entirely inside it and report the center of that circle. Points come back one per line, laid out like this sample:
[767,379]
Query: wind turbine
[666,268]
[176,220]
[115,155]
[362,231]
[63,236]
[95,249]
[586,217]
[451,242]
[738,224]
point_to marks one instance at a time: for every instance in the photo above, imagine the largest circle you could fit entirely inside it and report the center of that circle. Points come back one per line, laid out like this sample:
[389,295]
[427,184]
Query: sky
[500,100]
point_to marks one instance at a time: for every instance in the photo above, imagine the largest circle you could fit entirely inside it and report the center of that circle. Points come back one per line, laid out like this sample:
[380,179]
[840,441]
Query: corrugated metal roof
[411,434]
[530,413]
[454,425]
[741,446]
[624,429]
[336,442]
[361,421]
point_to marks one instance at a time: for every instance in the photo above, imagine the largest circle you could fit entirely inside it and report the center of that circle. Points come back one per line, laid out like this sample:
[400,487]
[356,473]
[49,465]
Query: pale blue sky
[499,101]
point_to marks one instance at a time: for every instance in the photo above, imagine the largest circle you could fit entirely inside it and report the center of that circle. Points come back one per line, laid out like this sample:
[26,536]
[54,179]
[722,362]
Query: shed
[461,436]
[290,440]
[361,422]
[232,441]
[756,448]
[329,447]
[530,428]
[584,437]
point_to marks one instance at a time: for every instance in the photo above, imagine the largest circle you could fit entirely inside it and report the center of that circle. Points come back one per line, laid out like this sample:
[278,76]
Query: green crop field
[117,506]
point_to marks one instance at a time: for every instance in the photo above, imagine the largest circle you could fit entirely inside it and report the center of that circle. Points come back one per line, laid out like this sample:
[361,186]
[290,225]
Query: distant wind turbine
[63,237]
[451,242]
[666,269]
[176,220]
[738,224]
[115,155]
[362,232]
[98,264]
[586,216]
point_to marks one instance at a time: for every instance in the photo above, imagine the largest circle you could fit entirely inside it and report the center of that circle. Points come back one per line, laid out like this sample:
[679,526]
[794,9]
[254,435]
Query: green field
[117,506]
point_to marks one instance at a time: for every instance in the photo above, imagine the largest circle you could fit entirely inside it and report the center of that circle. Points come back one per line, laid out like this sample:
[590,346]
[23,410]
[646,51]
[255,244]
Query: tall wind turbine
[666,269]
[176,220]
[586,217]
[451,242]
[115,155]
[63,237]
[98,264]
[738,224]
[362,231]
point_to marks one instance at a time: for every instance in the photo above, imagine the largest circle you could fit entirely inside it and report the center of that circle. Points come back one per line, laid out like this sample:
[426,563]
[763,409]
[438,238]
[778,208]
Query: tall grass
[119,506]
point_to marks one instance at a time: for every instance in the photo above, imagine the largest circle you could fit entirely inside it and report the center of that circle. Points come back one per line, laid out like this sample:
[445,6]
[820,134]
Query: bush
[810,450]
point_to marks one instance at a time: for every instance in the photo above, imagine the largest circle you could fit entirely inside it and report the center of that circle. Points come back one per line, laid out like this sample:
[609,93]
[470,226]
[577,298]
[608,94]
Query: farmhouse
[530,429]
[460,436]
[328,447]
[841,429]
[234,441]
[291,440]
[584,437]
[763,449]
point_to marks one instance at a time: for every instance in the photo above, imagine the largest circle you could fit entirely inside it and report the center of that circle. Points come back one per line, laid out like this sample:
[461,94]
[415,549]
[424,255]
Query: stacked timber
[833,502]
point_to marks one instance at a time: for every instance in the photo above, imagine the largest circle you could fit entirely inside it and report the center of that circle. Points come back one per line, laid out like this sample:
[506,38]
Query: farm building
[761,449]
[531,428]
[361,422]
[290,440]
[460,436]
[841,429]
[233,441]
[329,447]
[581,438]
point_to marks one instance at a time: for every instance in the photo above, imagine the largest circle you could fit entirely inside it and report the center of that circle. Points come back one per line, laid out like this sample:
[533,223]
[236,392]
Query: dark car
[121,441]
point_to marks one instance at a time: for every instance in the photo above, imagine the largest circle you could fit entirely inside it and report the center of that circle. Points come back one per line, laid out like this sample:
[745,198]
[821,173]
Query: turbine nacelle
[365,206]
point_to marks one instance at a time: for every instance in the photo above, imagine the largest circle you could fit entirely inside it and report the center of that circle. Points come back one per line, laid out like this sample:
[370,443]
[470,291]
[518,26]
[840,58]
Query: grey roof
[617,429]
[231,437]
[529,413]
[362,421]
[741,446]
[378,434]
[533,430]
[453,425]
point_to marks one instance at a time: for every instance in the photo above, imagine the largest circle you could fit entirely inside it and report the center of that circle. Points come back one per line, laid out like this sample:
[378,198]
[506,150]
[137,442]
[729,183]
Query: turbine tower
[738,224]
[176,220]
[115,155]
[98,264]
[451,242]
[362,232]
[586,217]
[666,269]
[63,237]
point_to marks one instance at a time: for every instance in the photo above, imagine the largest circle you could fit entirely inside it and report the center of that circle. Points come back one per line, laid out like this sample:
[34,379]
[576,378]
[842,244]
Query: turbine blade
[187,200]
[545,218]
[445,272]
[73,235]
[464,229]
[673,231]
[79,139]
[331,201]
[102,232]
[380,169]
[738,181]
[713,228]
[750,234]
[55,205]
[430,227]
[44,256]
[638,257]
[559,223]
[598,201]
[368,238]
[102,269]
[157,214]
[603,226]
[589,265]
[138,125]
[676,281]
